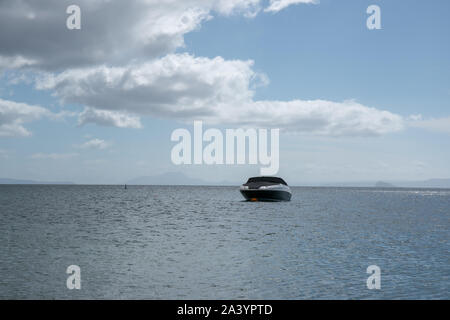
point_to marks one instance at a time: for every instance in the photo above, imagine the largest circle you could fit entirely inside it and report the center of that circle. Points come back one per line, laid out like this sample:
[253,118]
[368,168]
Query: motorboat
[266,189]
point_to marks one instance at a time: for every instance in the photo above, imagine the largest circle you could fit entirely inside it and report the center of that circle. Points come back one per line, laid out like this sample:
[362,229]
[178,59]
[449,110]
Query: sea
[195,242]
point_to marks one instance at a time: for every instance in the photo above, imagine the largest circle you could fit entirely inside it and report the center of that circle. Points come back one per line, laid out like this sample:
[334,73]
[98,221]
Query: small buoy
[254,199]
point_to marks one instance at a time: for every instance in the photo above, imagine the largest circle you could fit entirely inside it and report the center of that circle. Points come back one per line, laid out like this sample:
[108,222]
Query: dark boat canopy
[268,180]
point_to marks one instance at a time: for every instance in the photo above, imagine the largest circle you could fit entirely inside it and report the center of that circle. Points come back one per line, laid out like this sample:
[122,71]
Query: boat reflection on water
[266,189]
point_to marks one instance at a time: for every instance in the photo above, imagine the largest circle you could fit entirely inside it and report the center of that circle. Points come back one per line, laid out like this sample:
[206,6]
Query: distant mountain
[430,183]
[169,178]
[382,184]
[18,181]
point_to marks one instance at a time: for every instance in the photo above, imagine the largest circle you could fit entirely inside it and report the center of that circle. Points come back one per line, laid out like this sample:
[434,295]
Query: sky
[99,104]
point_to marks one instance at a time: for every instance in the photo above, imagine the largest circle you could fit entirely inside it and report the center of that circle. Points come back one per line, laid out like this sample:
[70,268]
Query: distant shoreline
[215,186]
[180,179]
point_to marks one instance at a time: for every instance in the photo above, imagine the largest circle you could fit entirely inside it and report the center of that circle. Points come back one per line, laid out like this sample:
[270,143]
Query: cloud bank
[184,87]
[123,65]
[112,32]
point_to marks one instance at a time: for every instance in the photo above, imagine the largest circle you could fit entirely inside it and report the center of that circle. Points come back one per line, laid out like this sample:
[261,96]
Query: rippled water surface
[156,242]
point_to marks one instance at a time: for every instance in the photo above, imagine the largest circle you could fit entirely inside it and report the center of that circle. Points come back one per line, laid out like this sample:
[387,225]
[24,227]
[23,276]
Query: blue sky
[306,52]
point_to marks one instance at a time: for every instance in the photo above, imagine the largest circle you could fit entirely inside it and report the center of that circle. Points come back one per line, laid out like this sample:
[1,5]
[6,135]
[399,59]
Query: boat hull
[266,195]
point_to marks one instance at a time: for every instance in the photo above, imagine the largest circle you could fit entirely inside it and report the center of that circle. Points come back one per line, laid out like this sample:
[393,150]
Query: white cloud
[13,115]
[184,87]
[415,117]
[248,8]
[53,156]
[315,117]
[278,5]
[175,85]
[95,144]
[109,119]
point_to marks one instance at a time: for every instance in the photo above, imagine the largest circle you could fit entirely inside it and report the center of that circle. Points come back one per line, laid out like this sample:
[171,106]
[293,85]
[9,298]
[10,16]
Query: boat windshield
[267,179]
